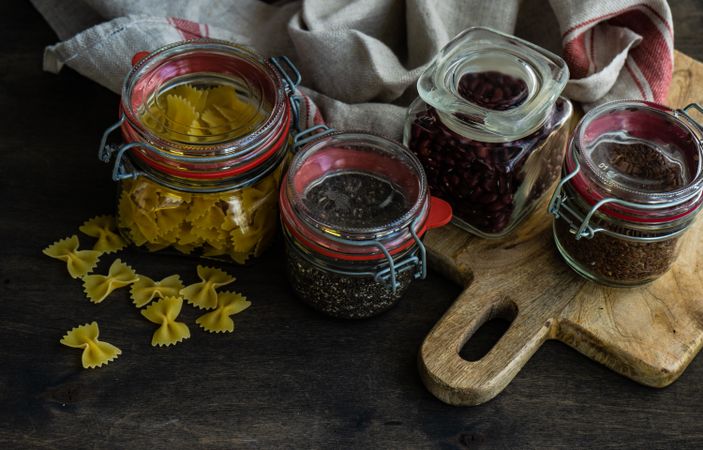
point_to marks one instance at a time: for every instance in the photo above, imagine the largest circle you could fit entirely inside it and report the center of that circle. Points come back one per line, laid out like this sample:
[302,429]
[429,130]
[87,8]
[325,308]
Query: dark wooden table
[287,377]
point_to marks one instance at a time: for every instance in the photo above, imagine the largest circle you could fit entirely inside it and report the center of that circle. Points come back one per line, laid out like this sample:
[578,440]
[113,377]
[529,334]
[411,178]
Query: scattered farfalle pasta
[104,228]
[165,312]
[219,320]
[145,289]
[78,262]
[95,352]
[203,295]
[98,287]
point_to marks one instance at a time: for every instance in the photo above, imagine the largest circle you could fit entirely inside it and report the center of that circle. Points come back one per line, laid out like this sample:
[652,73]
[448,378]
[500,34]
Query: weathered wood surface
[649,334]
[287,377]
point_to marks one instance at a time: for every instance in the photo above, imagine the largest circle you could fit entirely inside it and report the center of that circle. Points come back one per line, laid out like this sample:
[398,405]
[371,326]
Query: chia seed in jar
[340,295]
[492,143]
[353,208]
[633,185]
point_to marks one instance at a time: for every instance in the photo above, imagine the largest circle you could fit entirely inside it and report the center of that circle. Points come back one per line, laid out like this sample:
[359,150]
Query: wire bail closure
[388,276]
[579,224]
[292,83]
[120,170]
[684,112]
[310,134]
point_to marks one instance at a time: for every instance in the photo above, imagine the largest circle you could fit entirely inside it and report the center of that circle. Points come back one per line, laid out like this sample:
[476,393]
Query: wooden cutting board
[649,334]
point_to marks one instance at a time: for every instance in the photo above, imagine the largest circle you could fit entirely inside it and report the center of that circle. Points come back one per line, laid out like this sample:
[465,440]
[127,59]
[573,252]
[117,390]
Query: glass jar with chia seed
[490,128]
[354,209]
[206,126]
[632,186]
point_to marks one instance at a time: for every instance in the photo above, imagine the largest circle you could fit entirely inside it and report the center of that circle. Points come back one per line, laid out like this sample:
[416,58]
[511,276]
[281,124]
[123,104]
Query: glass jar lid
[345,190]
[205,109]
[492,85]
[645,155]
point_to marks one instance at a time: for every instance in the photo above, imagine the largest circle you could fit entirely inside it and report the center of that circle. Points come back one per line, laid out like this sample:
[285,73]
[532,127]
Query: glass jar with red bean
[490,128]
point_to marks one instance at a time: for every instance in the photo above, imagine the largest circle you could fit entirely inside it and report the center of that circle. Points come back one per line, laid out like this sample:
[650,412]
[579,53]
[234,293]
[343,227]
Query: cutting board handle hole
[493,326]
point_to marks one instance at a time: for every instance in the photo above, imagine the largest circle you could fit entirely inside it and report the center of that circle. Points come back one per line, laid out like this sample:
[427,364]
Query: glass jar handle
[684,111]
[580,224]
[291,82]
[389,275]
[310,134]
[120,170]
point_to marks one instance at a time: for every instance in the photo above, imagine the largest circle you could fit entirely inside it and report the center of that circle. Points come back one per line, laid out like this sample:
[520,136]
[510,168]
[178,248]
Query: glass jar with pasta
[207,128]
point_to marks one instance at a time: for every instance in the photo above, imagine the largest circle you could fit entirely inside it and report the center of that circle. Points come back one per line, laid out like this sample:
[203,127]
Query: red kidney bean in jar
[490,128]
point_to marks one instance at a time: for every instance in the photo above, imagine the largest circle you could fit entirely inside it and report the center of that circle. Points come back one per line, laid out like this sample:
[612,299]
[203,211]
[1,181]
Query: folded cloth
[360,59]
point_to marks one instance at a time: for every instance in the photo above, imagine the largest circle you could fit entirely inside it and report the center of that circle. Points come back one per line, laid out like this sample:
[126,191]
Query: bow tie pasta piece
[203,295]
[200,206]
[145,289]
[242,113]
[165,312]
[169,219]
[78,262]
[265,220]
[222,96]
[215,237]
[154,118]
[98,287]
[180,114]
[244,239]
[216,123]
[95,352]
[219,320]
[191,94]
[199,131]
[105,229]
[145,195]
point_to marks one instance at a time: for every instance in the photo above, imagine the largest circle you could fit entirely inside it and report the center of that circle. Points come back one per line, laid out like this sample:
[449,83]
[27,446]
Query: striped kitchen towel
[360,59]
[617,49]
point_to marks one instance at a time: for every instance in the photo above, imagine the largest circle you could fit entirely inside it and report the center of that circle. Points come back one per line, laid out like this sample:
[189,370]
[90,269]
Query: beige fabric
[359,59]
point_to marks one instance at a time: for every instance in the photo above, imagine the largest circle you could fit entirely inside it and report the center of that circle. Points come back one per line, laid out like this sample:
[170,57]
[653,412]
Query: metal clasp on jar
[311,134]
[292,83]
[684,112]
[120,170]
[389,275]
[579,224]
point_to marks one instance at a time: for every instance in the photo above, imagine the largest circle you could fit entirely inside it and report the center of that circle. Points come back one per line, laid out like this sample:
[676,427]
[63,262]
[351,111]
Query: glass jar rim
[239,154]
[654,207]
[354,242]
[546,72]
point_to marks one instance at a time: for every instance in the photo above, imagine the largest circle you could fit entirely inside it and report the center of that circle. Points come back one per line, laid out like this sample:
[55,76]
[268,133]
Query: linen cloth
[360,59]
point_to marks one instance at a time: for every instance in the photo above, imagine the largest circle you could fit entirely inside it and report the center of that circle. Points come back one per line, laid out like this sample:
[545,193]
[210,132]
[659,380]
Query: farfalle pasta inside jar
[207,126]
[490,128]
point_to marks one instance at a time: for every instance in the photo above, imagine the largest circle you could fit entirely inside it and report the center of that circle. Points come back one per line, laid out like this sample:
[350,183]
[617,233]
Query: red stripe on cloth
[656,13]
[187,28]
[594,19]
[637,81]
[576,56]
[652,55]
[593,50]
[618,12]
